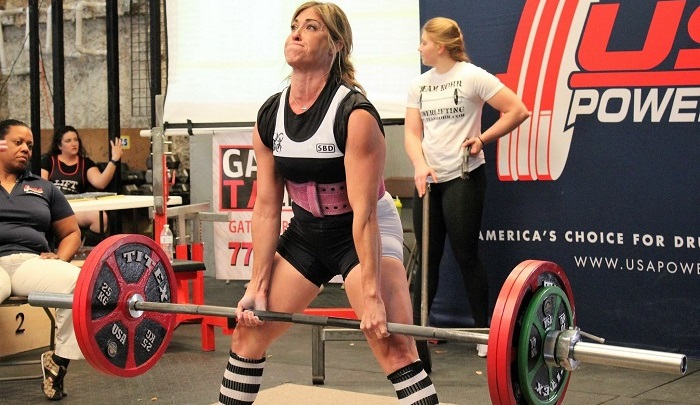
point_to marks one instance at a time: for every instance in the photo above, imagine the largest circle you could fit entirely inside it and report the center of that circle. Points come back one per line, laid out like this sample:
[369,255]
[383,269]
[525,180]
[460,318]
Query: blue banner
[604,178]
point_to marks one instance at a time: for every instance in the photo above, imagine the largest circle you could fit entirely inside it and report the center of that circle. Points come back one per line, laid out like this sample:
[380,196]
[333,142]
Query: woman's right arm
[413,138]
[267,213]
[46,162]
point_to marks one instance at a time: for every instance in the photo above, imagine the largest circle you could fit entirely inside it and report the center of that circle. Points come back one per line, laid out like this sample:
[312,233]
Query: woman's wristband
[481,140]
[116,161]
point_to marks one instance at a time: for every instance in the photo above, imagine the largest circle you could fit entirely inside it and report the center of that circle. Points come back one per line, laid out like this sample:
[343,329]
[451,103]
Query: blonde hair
[446,32]
[339,30]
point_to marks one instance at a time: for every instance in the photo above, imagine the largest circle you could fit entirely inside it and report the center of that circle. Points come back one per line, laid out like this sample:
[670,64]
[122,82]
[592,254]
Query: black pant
[456,207]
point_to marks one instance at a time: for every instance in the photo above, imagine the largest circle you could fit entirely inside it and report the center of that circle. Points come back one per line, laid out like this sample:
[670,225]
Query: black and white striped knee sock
[413,386]
[241,381]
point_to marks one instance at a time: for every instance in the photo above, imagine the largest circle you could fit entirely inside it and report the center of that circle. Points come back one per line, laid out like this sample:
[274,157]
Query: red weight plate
[498,353]
[81,300]
[111,339]
[494,353]
[512,300]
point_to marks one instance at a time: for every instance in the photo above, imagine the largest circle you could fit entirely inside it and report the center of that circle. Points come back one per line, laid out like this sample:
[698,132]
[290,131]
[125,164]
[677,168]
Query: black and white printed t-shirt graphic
[450,106]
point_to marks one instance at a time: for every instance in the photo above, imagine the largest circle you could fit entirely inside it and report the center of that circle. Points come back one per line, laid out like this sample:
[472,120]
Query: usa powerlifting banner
[604,177]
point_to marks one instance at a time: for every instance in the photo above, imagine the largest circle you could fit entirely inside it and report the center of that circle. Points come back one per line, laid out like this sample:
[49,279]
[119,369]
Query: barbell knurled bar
[137,305]
[579,352]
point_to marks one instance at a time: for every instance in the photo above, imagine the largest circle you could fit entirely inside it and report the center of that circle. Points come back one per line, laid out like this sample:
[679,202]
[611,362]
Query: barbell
[124,317]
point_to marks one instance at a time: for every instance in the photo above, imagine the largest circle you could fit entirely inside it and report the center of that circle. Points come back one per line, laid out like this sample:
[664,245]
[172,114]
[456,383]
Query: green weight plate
[548,310]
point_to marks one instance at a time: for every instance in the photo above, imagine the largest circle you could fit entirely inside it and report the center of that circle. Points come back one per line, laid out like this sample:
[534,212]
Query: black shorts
[321,248]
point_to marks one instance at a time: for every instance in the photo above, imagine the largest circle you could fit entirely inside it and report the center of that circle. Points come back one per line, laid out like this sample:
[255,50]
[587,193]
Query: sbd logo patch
[325,148]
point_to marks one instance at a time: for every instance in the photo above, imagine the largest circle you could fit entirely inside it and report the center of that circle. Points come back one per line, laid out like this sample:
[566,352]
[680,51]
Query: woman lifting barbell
[350,226]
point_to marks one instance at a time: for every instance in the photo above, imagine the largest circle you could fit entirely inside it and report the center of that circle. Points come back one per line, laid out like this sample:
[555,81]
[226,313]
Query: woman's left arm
[101,180]
[67,234]
[364,166]
[513,113]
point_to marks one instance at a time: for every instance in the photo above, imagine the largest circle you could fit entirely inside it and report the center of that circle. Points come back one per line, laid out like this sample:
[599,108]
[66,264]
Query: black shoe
[424,355]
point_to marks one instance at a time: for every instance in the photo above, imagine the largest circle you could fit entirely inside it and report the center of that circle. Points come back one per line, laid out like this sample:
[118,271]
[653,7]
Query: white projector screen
[225,58]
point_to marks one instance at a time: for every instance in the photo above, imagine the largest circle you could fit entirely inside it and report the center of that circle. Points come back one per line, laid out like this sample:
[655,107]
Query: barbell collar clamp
[594,338]
[559,348]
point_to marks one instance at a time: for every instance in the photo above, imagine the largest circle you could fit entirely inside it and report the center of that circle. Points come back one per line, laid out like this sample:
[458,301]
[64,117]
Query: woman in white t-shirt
[444,141]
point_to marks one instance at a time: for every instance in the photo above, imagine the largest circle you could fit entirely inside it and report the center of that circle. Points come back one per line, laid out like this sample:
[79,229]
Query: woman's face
[70,145]
[307,43]
[20,142]
[428,50]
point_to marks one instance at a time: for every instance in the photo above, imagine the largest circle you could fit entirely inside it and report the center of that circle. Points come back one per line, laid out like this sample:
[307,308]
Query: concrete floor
[186,375]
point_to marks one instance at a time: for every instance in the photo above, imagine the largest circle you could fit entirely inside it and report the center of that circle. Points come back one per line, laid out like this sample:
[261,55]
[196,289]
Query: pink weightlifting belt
[323,199]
